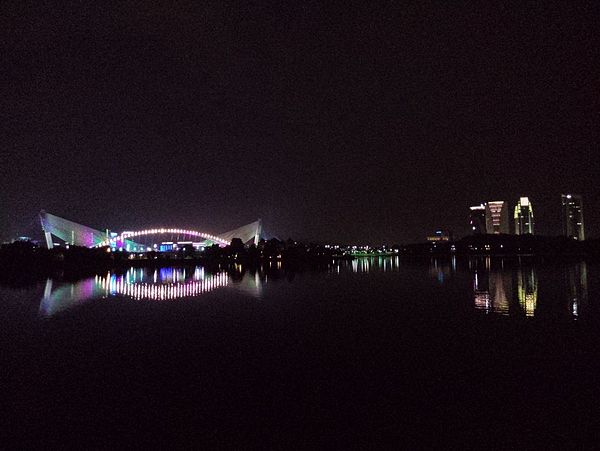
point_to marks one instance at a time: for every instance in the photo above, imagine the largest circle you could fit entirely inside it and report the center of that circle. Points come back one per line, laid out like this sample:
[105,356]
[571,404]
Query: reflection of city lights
[493,290]
[367,264]
[577,287]
[527,291]
[530,303]
[500,289]
[132,285]
[173,289]
[440,269]
[482,301]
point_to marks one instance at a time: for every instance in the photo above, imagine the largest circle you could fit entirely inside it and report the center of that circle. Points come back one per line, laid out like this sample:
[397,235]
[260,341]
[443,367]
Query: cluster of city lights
[127,235]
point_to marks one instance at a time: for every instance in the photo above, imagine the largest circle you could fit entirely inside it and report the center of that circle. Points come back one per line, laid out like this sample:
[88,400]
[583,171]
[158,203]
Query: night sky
[371,124]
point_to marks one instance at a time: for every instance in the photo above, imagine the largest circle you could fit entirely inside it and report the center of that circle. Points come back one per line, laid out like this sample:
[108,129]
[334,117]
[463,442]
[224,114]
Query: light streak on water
[165,284]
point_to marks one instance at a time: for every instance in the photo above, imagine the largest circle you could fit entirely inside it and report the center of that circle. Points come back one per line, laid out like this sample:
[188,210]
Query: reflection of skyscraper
[527,290]
[440,269]
[492,291]
[523,217]
[577,287]
[477,219]
[500,291]
[496,217]
[572,216]
[481,291]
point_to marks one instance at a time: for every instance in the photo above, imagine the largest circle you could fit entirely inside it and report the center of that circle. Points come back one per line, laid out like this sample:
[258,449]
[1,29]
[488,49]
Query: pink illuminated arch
[192,233]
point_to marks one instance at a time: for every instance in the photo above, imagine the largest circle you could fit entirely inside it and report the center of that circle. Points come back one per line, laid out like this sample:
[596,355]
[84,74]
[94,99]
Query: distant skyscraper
[496,217]
[477,219]
[523,217]
[572,216]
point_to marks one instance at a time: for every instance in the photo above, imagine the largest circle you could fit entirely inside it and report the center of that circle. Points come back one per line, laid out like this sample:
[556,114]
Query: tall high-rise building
[496,217]
[523,217]
[572,216]
[477,219]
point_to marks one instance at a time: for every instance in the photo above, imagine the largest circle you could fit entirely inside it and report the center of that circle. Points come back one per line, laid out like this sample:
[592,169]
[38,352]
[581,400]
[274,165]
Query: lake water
[362,352]
[485,285]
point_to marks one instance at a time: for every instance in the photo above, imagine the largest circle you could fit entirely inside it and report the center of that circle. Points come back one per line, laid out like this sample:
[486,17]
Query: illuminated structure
[496,217]
[123,241]
[440,235]
[477,219]
[523,217]
[79,235]
[69,231]
[572,216]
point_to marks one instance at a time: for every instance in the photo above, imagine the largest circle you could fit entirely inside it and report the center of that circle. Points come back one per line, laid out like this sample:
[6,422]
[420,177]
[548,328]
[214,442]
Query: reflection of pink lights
[86,289]
[98,287]
[173,290]
[482,301]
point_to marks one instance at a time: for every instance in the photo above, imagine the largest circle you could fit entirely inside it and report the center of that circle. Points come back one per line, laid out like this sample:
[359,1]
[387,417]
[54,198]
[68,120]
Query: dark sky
[368,124]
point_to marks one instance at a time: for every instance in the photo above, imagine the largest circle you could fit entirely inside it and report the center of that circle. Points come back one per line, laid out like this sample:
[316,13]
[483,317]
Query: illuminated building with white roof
[523,217]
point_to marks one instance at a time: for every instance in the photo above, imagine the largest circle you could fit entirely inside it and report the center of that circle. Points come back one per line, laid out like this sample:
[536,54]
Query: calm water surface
[375,352]
[485,285]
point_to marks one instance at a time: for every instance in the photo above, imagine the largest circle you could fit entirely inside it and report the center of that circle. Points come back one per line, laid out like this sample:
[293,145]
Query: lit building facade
[572,216]
[441,235]
[477,219]
[496,217]
[523,217]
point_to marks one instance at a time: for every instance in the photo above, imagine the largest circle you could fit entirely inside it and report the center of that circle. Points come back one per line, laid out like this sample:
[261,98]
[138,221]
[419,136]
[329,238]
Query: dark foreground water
[367,354]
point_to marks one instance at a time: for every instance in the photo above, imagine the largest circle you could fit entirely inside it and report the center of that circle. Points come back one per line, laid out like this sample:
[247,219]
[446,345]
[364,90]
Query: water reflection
[482,293]
[527,290]
[144,284]
[512,287]
[171,283]
[493,286]
[577,286]
[368,264]
[515,289]
[492,290]
[442,269]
